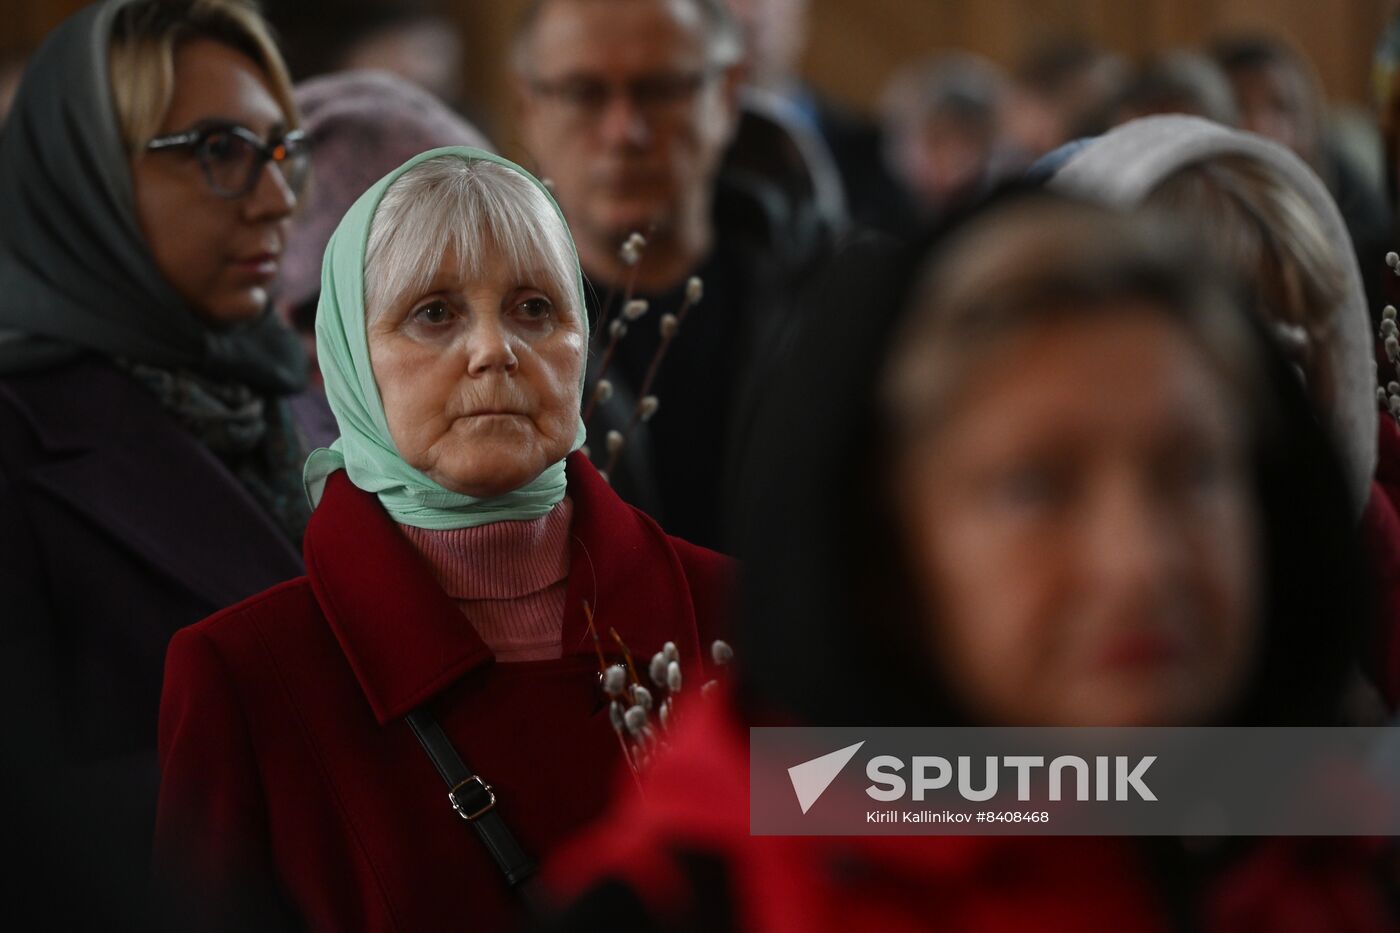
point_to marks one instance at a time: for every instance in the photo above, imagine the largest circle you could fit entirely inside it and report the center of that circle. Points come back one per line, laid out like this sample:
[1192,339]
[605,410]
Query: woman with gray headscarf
[1269,216]
[148,468]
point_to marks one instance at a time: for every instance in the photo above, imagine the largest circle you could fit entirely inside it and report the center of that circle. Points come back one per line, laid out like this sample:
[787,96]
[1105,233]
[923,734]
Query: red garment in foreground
[1381,527]
[697,803]
[1388,459]
[284,755]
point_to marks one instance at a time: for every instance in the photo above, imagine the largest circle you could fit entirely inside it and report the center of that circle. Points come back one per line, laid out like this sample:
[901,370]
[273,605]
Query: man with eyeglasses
[627,107]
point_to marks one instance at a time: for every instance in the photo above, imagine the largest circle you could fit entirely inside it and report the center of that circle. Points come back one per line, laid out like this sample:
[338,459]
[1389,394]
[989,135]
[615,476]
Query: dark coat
[874,197]
[677,467]
[117,527]
[285,756]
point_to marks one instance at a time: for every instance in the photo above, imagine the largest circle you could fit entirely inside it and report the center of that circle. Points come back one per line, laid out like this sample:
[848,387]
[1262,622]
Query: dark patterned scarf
[253,436]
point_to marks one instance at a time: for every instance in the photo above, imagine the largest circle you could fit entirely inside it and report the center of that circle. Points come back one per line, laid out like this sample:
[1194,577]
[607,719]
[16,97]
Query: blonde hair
[141,57]
[1266,232]
[470,208]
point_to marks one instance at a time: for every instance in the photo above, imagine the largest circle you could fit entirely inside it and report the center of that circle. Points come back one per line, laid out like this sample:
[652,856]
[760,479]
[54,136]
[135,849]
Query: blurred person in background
[1278,92]
[1264,212]
[943,120]
[1062,481]
[1180,81]
[1383,286]
[1062,91]
[627,107]
[1385,75]
[414,39]
[149,468]
[359,126]
[1280,97]
[775,150]
[11,70]
[775,34]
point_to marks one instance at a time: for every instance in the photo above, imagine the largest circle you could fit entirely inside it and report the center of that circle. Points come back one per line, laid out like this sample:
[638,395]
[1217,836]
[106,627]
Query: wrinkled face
[479,376]
[1084,530]
[623,111]
[221,255]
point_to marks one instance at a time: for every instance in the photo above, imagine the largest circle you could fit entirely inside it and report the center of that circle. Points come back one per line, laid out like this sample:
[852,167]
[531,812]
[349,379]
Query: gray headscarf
[1124,165]
[75,272]
[361,126]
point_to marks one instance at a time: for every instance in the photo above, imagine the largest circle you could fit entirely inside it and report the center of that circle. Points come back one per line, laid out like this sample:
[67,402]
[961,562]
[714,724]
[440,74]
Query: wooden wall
[1337,36]
[23,23]
[856,44]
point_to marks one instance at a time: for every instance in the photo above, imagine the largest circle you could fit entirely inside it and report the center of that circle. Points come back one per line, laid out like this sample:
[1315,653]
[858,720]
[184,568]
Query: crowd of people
[402,533]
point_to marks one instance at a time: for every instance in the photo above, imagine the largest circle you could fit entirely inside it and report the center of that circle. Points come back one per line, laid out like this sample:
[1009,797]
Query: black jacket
[117,527]
[676,467]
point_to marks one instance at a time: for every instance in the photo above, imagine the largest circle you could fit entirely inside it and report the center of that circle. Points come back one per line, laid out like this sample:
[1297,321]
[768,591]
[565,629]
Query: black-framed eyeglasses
[233,156]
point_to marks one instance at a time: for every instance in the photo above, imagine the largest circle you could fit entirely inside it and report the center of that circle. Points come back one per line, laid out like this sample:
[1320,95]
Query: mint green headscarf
[365,449]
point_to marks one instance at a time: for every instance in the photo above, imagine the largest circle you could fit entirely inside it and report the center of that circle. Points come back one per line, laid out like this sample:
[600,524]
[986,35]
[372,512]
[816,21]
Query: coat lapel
[406,641]
[122,464]
[404,638]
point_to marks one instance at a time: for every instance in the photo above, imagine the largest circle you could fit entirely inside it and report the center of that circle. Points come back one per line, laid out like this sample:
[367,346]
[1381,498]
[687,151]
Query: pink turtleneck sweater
[509,579]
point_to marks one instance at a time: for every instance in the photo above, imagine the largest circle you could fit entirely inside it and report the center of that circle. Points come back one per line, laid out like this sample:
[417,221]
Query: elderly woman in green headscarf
[440,653]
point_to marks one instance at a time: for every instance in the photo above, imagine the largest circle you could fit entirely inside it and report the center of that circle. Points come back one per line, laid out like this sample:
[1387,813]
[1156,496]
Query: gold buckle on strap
[460,806]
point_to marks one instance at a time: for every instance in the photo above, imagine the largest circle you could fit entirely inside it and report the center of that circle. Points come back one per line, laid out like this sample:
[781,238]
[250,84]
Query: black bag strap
[473,800]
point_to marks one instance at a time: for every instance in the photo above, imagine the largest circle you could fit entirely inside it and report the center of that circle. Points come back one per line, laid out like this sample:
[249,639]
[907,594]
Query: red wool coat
[696,812]
[283,750]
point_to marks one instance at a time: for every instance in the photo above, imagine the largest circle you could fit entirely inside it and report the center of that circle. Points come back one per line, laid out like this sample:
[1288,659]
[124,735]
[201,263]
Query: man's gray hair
[723,34]
[474,208]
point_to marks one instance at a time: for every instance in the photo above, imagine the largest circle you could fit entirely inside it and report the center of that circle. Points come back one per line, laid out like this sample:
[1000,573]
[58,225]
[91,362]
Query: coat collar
[406,641]
[123,464]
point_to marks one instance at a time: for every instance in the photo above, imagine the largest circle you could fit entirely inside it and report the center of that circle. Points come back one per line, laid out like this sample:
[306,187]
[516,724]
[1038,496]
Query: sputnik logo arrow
[811,778]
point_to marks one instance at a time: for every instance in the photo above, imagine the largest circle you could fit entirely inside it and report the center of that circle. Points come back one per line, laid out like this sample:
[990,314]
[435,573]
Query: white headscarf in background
[1122,167]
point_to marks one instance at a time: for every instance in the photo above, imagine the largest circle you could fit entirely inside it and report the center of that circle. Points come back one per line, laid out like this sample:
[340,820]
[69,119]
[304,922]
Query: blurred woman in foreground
[1061,481]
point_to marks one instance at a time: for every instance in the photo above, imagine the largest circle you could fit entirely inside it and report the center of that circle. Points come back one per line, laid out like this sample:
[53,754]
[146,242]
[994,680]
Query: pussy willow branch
[640,252]
[602,671]
[652,369]
[593,397]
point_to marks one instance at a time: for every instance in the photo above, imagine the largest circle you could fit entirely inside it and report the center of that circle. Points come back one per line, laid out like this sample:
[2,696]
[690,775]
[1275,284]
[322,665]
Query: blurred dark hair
[318,34]
[1240,54]
[1179,81]
[1247,52]
[1080,78]
[1053,65]
[832,632]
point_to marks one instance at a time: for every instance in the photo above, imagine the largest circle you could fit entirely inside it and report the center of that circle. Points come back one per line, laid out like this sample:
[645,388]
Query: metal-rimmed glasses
[233,156]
